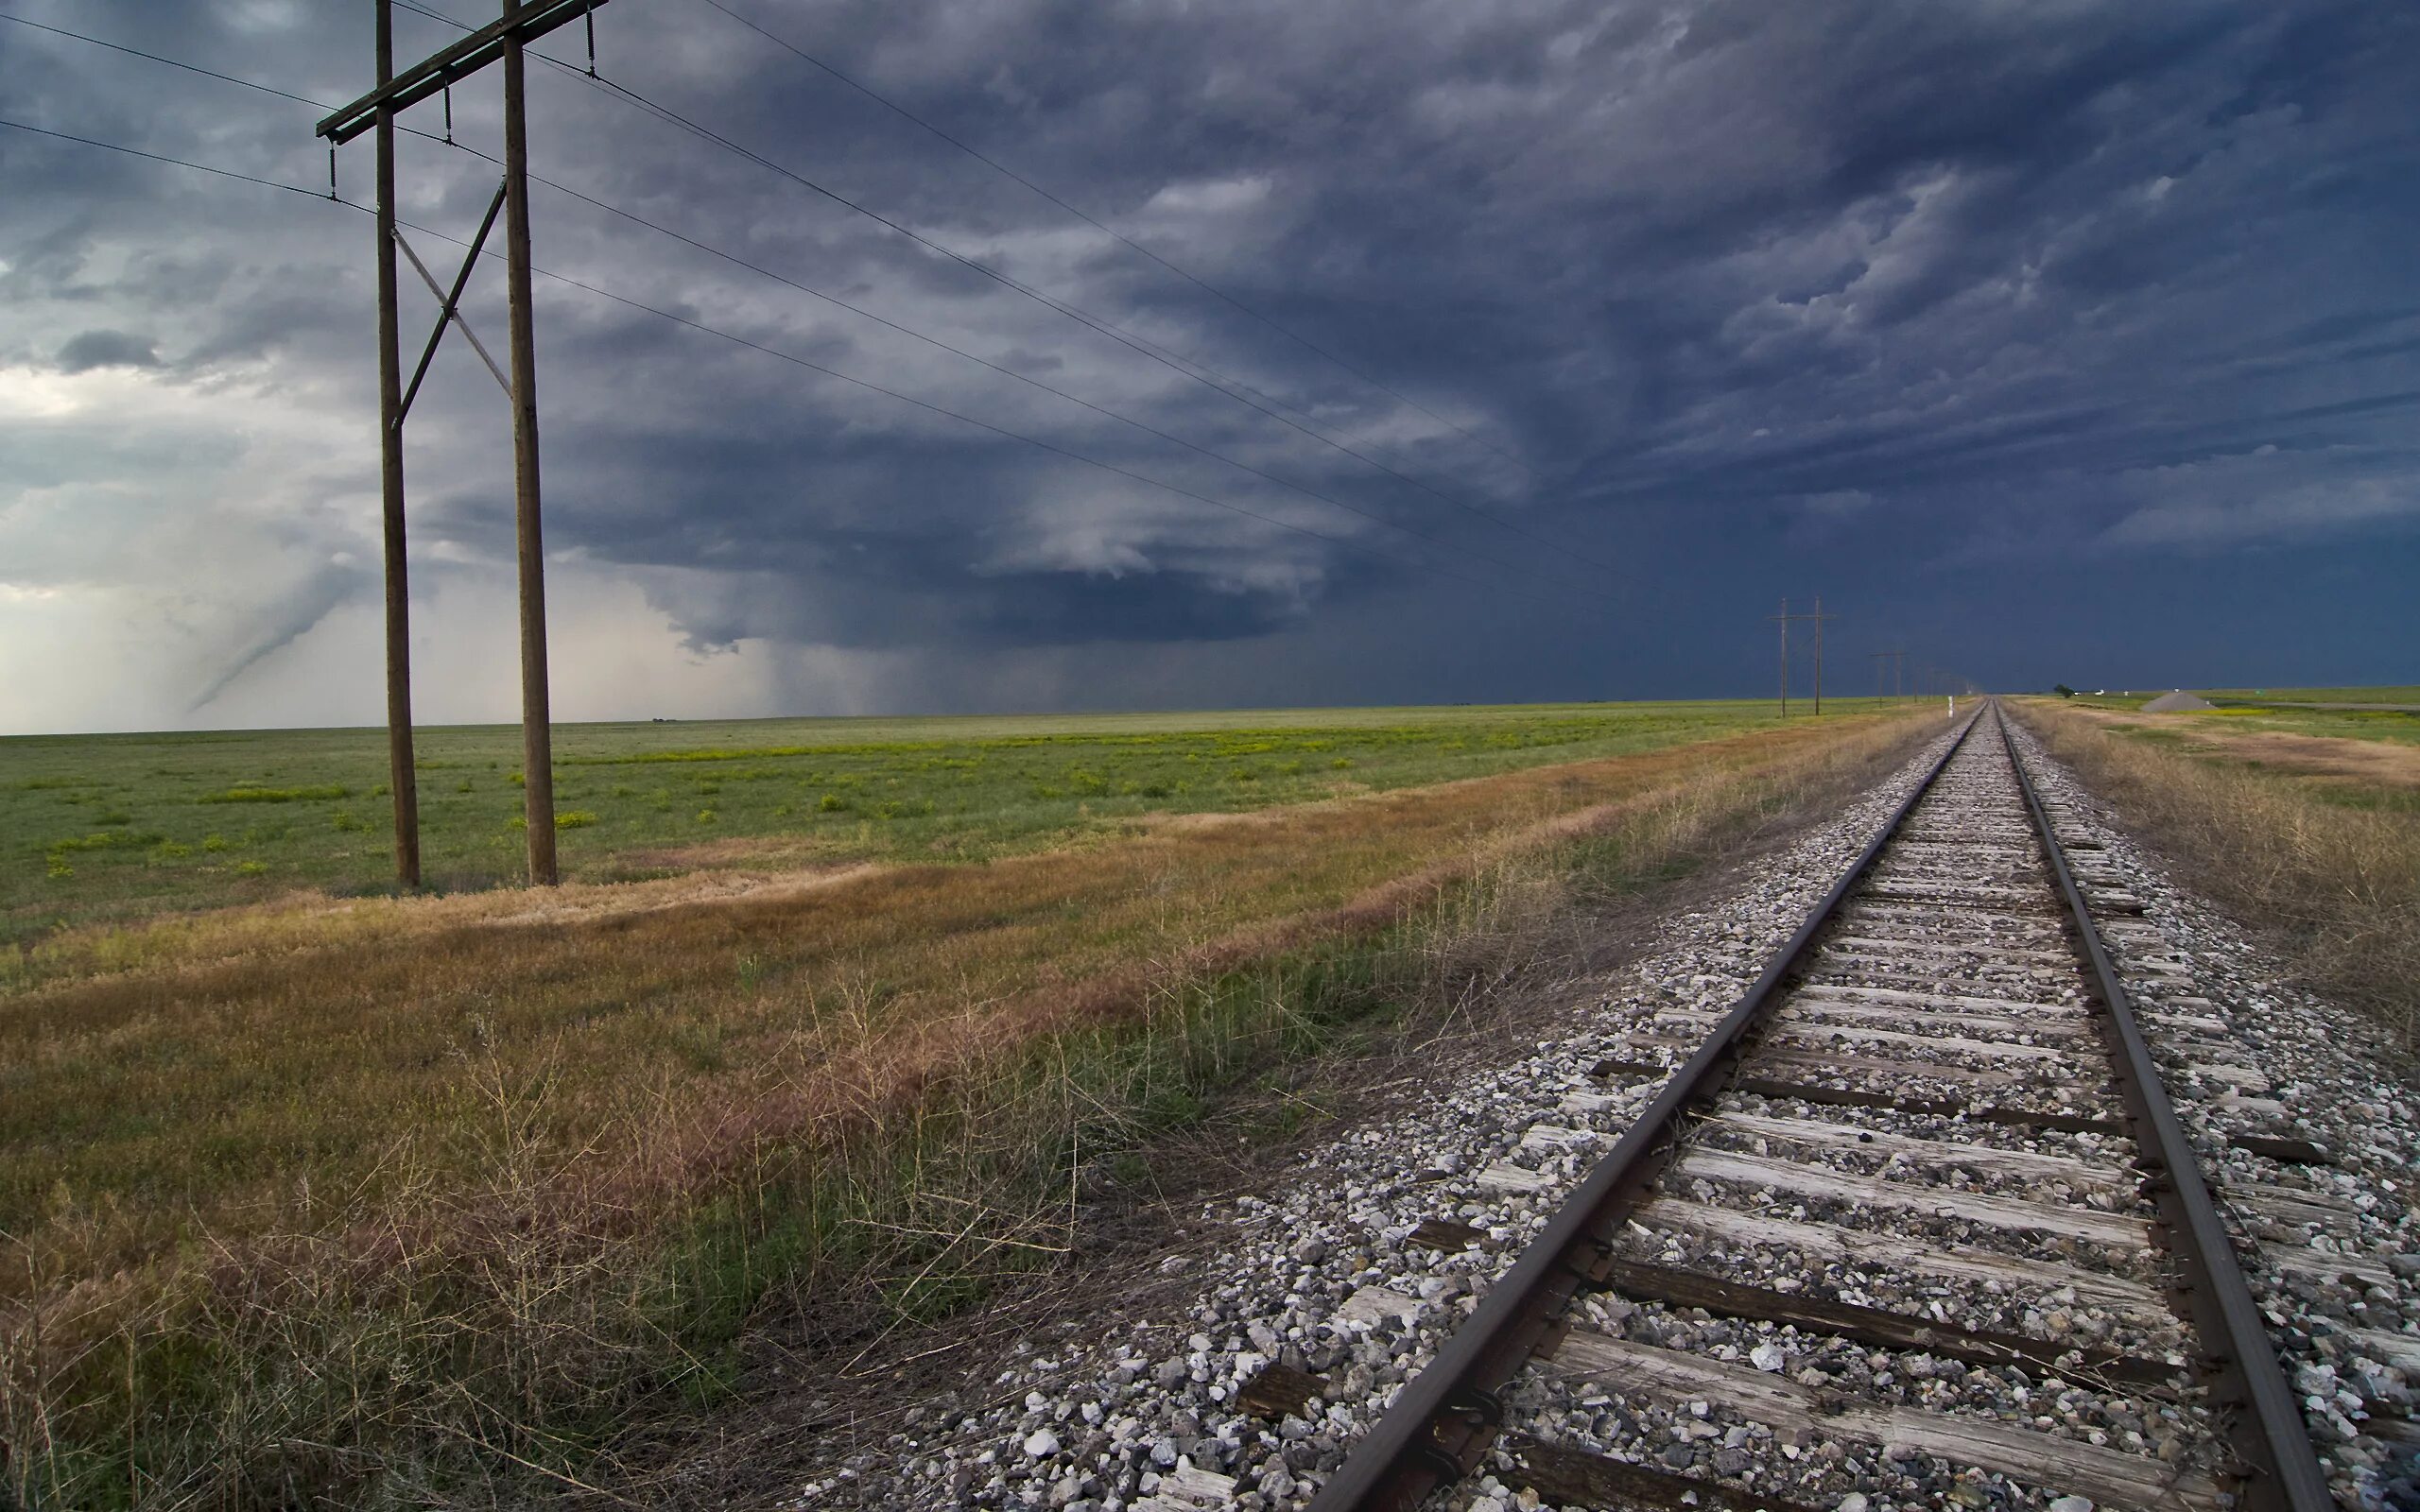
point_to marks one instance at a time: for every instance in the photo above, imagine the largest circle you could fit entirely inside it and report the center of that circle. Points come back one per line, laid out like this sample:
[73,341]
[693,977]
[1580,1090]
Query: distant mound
[2180,702]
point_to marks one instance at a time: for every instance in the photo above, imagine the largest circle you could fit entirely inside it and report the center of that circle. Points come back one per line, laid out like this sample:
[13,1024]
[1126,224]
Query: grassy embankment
[329,1198]
[2306,822]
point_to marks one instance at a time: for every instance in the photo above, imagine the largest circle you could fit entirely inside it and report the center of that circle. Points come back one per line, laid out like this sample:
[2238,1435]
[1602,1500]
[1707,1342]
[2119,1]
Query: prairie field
[2317,837]
[310,1192]
[2383,695]
[2386,714]
[2358,752]
[123,828]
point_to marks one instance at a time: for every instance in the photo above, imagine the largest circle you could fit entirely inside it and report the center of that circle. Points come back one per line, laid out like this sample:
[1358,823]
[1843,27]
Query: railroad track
[1938,1103]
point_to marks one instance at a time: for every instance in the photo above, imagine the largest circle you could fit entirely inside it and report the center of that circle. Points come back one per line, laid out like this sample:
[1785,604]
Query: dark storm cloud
[88,350]
[1832,297]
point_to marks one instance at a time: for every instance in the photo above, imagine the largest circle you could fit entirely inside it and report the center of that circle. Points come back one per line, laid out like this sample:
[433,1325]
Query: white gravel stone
[1317,1271]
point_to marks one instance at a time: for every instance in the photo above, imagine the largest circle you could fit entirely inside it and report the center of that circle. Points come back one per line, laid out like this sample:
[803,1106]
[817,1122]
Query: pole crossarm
[452,65]
[451,308]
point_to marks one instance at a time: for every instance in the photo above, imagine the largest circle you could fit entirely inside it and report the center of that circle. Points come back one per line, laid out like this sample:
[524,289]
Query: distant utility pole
[1899,661]
[522,21]
[1783,619]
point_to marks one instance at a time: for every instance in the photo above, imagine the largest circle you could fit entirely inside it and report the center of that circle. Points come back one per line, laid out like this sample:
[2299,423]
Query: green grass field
[110,829]
[2405,694]
[2369,714]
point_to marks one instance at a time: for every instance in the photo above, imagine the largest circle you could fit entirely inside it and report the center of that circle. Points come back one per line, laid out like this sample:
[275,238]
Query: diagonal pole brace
[450,308]
[452,302]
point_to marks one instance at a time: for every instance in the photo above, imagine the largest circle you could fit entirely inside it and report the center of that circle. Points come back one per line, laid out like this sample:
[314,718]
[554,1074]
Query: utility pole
[1783,619]
[537,733]
[403,778]
[506,39]
[1899,661]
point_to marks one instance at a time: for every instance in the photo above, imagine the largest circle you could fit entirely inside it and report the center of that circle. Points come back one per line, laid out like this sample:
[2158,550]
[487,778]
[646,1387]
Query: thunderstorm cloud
[1349,353]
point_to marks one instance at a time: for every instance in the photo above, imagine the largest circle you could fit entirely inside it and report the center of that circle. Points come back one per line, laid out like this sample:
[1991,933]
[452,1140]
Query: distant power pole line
[504,39]
[1783,619]
[1895,684]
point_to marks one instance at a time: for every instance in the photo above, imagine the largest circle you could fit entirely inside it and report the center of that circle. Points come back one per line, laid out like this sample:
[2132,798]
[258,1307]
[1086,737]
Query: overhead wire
[190,68]
[1030,381]
[161,157]
[702,327]
[993,163]
[997,166]
[1184,366]
[829,298]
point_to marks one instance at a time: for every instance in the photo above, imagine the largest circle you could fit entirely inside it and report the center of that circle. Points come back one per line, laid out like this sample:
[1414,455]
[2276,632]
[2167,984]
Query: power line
[190,68]
[1098,323]
[772,352]
[829,298]
[1217,382]
[180,163]
[1048,388]
[230,79]
[998,166]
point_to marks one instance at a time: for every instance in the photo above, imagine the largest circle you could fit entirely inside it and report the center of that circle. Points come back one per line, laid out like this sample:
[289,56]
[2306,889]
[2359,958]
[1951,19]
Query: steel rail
[1445,1417]
[2280,1470]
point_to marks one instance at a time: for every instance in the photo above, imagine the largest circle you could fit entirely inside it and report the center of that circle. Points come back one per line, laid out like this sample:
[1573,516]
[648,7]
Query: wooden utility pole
[506,39]
[1783,619]
[1893,685]
[537,734]
[403,778]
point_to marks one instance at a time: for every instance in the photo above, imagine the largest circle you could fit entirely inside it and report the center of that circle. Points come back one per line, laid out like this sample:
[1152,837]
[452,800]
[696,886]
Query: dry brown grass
[305,1197]
[2336,887]
[2372,763]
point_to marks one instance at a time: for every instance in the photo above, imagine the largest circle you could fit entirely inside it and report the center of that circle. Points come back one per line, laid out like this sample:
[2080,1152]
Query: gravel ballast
[1321,1273]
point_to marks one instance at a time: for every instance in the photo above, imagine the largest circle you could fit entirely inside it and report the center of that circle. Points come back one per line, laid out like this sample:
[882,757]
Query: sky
[1337,353]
